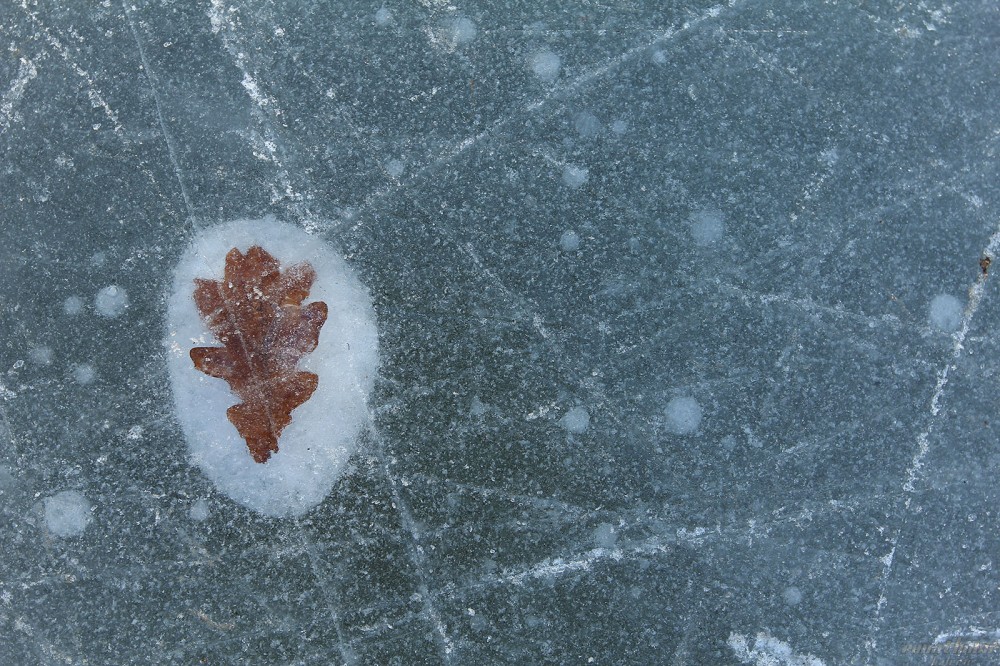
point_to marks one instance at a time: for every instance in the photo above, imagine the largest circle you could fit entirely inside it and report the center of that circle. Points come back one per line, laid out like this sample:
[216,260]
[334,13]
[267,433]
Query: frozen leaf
[256,312]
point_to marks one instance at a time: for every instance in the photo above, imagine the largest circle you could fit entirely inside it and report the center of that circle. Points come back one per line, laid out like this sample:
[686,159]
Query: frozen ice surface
[581,226]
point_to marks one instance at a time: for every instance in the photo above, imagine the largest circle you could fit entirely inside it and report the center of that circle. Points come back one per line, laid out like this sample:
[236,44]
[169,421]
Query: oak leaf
[256,312]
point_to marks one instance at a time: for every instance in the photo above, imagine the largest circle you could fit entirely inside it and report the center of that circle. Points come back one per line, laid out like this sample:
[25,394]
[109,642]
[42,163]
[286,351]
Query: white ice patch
[545,65]
[111,301]
[706,226]
[314,448]
[67,513]
[683,415]
[576,420]
[946,313]
[768,651]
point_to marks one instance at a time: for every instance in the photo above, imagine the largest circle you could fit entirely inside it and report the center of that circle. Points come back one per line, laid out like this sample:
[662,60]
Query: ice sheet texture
[316,445]
[567,219]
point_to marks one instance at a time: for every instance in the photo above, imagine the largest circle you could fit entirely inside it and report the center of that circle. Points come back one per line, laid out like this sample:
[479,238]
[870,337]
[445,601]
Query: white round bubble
[73,305]
[792,595]
[605,535]
[463,31]
[199,511]
[619,127]
[706,226]
[575,176]
[569,241]
[683,415]
[41,355]
[545,65]
[946,313]
[383,16]
[576,420]
[587,124]
[111,301]
[84,373]
[395,168]
[67,513]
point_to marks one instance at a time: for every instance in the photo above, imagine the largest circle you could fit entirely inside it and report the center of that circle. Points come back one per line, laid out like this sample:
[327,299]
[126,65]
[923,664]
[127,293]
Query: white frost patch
[545,65]
[73,305]
[111,301]
[946,313]
[569,241]
[199,511]
[67,513]
[315,447]
[768,651]
[576,420]
[706,226]
[84,373]
[382,17]
[575,176]
[683,415]
[619,127]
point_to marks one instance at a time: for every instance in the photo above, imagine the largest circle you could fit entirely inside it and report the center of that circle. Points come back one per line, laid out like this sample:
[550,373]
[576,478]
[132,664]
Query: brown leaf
[256,312]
